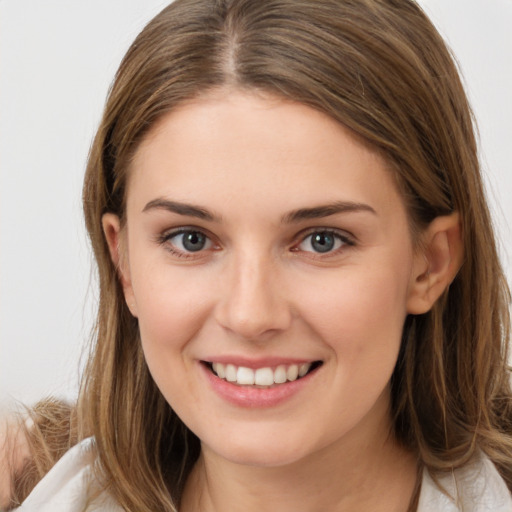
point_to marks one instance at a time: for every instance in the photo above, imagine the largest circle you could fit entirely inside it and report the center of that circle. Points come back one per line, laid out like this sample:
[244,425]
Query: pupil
[193,241]
[323,242]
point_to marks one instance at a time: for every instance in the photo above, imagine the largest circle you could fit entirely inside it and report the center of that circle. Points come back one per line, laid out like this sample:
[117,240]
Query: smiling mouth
[266,377]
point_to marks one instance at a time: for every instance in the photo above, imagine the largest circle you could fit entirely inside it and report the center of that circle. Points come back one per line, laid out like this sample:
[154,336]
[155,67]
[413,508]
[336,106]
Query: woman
[301,305]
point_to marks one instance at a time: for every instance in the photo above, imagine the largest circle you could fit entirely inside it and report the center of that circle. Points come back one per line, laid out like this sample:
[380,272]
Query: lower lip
[251,397]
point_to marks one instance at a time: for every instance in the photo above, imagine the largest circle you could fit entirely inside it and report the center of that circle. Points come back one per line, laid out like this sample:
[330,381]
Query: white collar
[477,487]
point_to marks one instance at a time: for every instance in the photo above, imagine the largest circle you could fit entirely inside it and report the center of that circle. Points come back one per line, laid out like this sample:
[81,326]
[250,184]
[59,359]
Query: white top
[65,487]
[477,487]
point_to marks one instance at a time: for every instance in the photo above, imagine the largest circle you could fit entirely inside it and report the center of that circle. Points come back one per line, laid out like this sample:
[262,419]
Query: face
[268,259]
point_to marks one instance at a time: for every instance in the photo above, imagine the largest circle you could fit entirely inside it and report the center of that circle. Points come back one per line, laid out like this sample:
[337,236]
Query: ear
[117,247]
[436,263]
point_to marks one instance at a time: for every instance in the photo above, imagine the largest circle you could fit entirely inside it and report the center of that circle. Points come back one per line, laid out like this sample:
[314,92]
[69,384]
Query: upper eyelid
[164,238]
[342,233]
[169,233]
[348,242]
[297,238]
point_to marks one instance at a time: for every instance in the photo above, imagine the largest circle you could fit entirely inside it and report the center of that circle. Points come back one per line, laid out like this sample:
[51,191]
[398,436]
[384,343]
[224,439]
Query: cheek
[360,314]
[171,311]
[172,304]
[360,320]
[169,315]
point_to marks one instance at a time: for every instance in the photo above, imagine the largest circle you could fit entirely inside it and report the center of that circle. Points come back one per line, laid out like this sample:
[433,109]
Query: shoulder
[477,487]
[67,487]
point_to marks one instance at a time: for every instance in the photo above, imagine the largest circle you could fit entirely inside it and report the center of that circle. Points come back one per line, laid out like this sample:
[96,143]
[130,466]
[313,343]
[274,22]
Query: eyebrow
[181,209]
[326,210]
[316,212]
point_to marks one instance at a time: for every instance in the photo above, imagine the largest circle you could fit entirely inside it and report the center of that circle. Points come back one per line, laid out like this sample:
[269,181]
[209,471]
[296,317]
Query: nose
[253,304]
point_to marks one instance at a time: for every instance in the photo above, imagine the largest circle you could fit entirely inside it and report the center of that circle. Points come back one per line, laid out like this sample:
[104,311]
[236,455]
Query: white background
[57,59]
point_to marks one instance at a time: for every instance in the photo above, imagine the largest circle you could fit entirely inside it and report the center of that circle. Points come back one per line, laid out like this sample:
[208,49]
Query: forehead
[259,148]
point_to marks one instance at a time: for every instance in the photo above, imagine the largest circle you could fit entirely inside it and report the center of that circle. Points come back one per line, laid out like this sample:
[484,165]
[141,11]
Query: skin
[260,289]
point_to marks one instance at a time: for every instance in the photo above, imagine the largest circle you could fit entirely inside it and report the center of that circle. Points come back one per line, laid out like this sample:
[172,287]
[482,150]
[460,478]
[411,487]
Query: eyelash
[341,236]
[165,238]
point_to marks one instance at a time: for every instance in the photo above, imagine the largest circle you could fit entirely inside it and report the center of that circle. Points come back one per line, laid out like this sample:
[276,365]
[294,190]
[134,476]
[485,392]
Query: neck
[356,473]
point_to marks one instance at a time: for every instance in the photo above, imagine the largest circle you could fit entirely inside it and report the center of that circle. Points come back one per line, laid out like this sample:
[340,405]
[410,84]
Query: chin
[259,450]
[261,457]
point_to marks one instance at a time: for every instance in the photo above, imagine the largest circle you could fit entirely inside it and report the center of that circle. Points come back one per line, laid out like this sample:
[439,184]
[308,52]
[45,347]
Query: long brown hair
[380,68]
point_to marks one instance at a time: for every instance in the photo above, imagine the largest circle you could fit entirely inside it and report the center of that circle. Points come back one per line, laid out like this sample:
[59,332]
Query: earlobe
[114,236]
[436,264]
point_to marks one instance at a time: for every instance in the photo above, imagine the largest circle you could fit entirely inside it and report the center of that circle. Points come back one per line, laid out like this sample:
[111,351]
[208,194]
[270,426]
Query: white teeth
[262,376]
[230,373]
[293,372]
[219,370]
[280,374]
[245,376]
[303,369]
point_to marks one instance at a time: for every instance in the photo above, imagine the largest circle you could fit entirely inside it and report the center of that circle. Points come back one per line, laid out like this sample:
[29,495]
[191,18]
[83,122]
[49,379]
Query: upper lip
[255,363]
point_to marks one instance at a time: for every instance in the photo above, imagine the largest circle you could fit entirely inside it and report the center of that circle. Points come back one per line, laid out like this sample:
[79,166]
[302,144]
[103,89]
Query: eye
[324,241]
[186,241]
